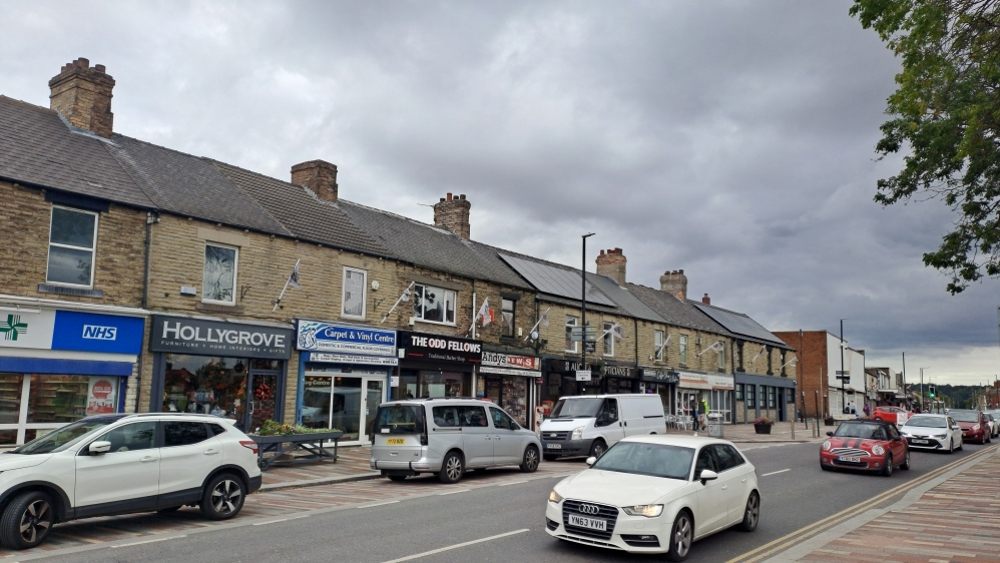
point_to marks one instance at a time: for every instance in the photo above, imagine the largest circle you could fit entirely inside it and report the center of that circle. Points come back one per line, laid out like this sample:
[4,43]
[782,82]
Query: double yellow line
[815,528]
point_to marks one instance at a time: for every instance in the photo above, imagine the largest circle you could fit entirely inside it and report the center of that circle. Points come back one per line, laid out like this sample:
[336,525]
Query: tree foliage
[946,112]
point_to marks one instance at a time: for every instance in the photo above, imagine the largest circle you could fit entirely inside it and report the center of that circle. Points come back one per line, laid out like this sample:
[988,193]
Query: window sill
[438,323]
[68,290]
[216,308]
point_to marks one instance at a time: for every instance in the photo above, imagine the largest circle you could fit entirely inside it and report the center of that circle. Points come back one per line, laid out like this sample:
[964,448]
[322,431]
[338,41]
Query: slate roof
[676,312]
[37,147]
[740,324]
[631,304]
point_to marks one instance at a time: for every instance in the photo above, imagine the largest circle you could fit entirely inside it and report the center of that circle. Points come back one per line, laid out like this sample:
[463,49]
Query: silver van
[447,436]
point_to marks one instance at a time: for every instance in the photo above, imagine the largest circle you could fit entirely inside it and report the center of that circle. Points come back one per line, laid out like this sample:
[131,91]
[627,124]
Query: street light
[922,389]
[841,376]
[583,305]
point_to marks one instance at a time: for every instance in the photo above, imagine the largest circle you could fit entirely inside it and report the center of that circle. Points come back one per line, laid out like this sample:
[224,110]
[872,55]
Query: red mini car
[975,427]
[890,414]
[867,445]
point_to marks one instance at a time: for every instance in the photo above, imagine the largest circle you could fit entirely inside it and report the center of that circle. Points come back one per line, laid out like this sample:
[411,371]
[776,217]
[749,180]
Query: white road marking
[775,472]
[271,522]
[453,492]
[511,483]
[147,541]
[456,546]
[378,504]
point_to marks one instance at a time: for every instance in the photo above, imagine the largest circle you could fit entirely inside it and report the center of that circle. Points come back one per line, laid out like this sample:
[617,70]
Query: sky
[731,139]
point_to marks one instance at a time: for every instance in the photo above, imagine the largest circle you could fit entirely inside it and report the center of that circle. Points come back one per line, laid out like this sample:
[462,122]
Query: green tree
[946,114]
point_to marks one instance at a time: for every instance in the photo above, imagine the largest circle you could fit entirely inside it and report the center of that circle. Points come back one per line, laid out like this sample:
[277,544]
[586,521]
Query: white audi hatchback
[120,464]
[656,494]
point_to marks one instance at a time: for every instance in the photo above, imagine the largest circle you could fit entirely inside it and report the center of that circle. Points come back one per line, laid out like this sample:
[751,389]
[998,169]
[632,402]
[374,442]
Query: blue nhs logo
[95,332]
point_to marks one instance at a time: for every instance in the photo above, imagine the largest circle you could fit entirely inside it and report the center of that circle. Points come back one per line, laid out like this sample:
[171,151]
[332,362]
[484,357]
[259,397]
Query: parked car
[656,494]
[868,445]
[994,423]
[447,436]
[933,431]
[124,463]
[975,425]
[588,425]
[894,415]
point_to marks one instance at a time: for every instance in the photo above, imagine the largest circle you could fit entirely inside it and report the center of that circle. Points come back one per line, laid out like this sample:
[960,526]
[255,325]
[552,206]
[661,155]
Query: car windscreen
[62,438]
[399,419]
[658,460]
[965,416]
[576,408]
[927,422]
[866,431]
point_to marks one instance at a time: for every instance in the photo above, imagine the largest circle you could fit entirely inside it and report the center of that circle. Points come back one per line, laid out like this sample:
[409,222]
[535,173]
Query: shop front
[510,381]
[764,395]
[563,378]
[661,382]
[434,365]
[58,366]
[227,369]
[344,372]
[716,390]
[620,379]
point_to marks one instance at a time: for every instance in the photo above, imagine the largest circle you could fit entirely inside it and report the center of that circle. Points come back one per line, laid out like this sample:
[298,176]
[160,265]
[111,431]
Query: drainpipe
[151,218]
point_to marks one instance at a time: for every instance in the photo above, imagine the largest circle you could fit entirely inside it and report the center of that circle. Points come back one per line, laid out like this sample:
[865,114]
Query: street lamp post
[583,305]
[843,404]
[922,389]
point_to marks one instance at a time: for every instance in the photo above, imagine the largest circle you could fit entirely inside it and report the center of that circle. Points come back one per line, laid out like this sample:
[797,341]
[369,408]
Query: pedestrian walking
[694,413]
[868,410]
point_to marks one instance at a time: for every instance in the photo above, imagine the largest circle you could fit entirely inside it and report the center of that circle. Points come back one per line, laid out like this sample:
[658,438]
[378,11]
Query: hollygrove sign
[196,336]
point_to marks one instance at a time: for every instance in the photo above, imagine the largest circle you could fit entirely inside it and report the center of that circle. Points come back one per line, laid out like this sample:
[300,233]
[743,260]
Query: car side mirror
[99,447]
[829,433]
[708,475]
[896,438]
[591,460]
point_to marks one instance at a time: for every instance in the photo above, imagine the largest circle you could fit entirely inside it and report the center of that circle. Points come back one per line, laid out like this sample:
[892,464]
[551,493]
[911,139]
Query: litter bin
[715,425]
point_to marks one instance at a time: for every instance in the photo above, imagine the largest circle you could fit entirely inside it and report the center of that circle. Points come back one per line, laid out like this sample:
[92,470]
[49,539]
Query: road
[498,516]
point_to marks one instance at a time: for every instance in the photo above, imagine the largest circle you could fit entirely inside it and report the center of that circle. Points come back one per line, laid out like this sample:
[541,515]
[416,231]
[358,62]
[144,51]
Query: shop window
[751,396]
[355,283]
[682,344]
[72,243]
[434,384]
[571,345]
[433,304]
[507,317]
[739,391]
[183,433]
[207,385]
[658,345]
[770,397]
[609,338]
[219,282]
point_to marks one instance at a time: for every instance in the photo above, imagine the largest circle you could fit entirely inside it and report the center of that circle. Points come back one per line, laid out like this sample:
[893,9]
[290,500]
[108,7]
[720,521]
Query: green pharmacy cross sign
[12,327]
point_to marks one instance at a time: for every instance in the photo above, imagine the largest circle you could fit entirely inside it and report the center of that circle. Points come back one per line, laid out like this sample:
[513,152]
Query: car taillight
[250,445]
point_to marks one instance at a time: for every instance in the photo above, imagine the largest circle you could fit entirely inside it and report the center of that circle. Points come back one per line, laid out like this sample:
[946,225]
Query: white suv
[119,464]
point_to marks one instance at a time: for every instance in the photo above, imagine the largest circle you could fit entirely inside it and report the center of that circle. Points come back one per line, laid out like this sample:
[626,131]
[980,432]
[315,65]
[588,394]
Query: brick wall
[812,357]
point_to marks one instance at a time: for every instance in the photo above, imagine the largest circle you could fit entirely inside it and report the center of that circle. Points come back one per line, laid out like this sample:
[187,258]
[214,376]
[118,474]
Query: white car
[656,494]
[124,463]
[932,431]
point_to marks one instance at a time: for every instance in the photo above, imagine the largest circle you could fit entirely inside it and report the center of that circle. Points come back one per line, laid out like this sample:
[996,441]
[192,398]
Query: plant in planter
[272,428]
[762,425]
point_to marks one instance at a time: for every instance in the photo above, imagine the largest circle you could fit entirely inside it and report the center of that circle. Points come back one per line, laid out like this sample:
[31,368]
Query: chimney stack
[675,283]
[83,96]
[453,214]
[706,299]
[612,264]
[319,176]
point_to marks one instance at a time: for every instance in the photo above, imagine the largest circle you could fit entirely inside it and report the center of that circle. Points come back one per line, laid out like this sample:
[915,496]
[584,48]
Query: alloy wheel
[752,514]
[226,496]
[35,521]
[682,535]
[530,460]
[454,468]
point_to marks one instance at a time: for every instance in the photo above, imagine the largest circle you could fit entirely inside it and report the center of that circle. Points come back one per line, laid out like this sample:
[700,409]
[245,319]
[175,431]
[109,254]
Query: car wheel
[681,535]
[598,448]
[951,445]
[27,520]
[396,477]
[751,515]
[888,467]
[824,467]
[906,460]
[529,463]
[223,497]
[550,457]
[168,510]
[961,445]
[452,468]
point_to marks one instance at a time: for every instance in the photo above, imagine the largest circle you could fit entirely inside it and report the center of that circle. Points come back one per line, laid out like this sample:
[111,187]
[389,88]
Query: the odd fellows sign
[438,348]
[213,338]
[508,364]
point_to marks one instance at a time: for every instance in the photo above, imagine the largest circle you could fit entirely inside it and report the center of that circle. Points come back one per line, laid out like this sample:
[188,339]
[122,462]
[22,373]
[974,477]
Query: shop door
[263,398]
[372,401]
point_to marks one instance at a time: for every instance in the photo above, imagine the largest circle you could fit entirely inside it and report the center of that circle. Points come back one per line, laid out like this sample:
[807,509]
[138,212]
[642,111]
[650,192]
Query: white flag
[545,318]
[406,294]
[618,331]
[293,279]
[484,312]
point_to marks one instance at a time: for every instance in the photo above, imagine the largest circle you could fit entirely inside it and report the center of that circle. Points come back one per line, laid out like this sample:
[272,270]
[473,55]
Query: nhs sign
[95,332]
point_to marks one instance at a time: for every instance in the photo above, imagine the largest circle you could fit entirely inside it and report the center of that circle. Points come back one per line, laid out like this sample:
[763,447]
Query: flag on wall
[293,279]
[485,315]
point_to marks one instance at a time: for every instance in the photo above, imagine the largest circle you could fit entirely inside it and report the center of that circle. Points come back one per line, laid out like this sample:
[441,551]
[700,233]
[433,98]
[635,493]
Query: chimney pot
[319,176]
[452,213]
[706,299]
[83,96]
[612,264]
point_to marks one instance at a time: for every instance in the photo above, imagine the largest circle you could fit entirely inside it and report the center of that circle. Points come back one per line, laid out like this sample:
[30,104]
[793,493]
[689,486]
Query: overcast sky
[734,140]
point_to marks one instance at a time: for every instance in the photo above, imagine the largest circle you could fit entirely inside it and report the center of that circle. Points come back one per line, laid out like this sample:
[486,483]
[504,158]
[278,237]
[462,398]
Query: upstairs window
[507,317]
[220,274]
[571,345]
[433,304]
[658,345]
[72,243]
[609,339]
[722,357]
[682,345]
[355,283]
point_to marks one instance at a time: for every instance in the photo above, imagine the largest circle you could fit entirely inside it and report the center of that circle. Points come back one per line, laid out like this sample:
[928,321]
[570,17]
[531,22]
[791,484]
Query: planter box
[282,446]
[762,428]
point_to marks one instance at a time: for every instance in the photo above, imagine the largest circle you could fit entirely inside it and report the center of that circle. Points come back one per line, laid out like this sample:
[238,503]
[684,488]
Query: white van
[588,425]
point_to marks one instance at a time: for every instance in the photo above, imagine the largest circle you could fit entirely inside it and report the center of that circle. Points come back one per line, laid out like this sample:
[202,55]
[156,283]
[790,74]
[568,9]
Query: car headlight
[827,445]
[940,436]
[554,497]
[976,427]
[577,433]
[878,450]
[647,510]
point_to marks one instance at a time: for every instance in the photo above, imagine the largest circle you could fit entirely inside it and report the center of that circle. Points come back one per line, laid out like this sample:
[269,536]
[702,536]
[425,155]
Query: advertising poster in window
[101,395]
